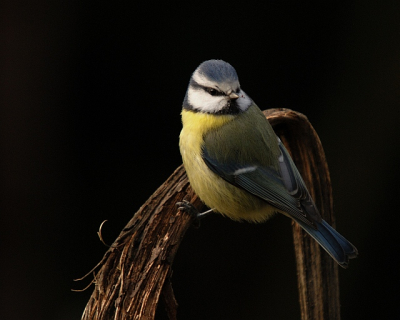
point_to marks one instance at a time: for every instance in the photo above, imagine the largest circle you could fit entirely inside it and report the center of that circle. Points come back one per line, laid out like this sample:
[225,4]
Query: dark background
[89,116]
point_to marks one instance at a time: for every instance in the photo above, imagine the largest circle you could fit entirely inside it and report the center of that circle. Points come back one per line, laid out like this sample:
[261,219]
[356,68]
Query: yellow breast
[215,192]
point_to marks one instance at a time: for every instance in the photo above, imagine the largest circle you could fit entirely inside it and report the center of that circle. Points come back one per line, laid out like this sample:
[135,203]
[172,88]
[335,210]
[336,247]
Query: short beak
[233,96]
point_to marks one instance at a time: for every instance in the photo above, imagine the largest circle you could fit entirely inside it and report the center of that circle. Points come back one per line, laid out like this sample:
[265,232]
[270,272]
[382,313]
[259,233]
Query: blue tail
[332,241]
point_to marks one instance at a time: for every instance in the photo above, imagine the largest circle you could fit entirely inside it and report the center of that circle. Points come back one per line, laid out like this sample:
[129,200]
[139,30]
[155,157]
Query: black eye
[213,92]
[237,90]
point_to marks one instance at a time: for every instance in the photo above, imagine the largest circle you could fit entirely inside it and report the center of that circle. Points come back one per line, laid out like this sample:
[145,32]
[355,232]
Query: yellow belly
[215,192]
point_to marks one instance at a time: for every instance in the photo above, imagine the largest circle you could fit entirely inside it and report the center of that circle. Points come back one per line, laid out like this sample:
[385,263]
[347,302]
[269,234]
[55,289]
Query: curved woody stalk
[134,273]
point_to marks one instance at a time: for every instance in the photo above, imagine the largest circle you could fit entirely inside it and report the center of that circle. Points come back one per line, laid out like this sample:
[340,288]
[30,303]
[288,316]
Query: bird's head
[214,88]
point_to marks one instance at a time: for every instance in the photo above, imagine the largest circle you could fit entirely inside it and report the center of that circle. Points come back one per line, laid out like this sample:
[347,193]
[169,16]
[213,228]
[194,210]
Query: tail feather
[340,249]
[349,249]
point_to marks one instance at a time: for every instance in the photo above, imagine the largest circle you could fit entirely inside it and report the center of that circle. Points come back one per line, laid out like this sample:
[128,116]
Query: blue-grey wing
[283,190]
[295,185]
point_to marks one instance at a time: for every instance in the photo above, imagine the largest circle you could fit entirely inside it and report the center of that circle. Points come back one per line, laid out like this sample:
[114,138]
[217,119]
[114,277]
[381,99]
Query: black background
[90,99]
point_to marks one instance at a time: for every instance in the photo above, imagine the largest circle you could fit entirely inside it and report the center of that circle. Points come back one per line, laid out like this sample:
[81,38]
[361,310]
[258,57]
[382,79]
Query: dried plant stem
[135,271]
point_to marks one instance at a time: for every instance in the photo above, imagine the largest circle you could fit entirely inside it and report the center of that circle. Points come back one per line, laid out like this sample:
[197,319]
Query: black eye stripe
[214,92]
[209,90]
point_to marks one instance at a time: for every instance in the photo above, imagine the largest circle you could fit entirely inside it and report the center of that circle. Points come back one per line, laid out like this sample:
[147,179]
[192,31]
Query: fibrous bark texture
[134,273]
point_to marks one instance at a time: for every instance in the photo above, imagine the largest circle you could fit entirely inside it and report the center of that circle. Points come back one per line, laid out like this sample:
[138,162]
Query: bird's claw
[189,208]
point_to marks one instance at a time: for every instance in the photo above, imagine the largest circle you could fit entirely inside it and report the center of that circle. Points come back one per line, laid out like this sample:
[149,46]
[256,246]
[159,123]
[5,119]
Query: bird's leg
[190,209]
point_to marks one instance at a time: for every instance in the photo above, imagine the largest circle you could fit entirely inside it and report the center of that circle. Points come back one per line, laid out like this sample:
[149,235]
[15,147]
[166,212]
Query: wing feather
[267,184]
[285,190]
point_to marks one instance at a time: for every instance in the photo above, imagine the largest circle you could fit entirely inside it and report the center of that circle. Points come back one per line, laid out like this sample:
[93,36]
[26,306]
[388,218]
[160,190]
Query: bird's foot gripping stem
[187,207]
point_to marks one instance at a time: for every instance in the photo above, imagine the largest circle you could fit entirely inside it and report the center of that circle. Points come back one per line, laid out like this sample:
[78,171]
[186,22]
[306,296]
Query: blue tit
[238,166]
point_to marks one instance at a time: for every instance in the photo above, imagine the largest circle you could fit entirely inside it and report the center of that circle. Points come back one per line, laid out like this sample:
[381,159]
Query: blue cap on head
[218,71]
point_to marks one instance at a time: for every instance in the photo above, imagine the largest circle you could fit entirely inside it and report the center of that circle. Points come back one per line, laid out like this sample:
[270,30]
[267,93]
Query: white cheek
[244,102]
[203,101]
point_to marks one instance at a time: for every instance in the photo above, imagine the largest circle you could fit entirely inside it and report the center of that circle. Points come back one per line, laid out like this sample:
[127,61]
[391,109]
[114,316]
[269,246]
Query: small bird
[238,166]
